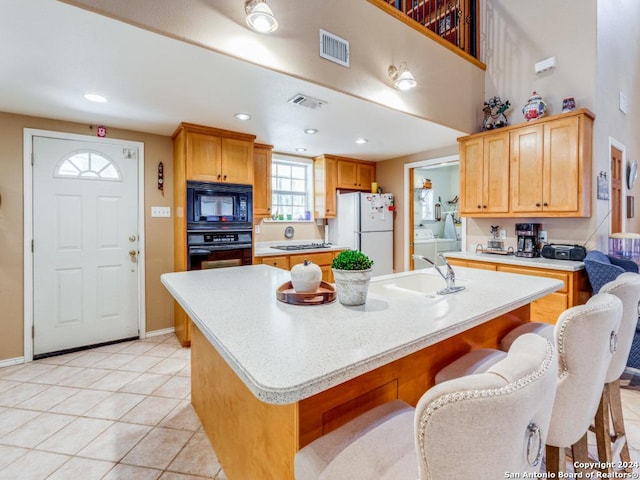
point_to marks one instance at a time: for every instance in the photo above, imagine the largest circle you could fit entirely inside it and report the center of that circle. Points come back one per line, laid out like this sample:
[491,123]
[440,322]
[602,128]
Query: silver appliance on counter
[364,221]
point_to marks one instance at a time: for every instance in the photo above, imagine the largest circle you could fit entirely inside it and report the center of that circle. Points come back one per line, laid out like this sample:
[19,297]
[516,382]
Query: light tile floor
[123,412]
[120,411]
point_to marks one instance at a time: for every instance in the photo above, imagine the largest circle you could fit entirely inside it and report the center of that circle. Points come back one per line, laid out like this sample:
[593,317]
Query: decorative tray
[326,293]
[496,251]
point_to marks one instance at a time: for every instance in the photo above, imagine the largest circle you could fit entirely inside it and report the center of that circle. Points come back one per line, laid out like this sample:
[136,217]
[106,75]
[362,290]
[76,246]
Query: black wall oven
[219,225]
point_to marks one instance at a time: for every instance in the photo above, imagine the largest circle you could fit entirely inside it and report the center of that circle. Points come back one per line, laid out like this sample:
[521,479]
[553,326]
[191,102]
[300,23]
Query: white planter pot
[352,285]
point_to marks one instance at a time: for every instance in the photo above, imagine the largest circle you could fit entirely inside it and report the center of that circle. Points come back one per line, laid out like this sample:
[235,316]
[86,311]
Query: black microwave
[219,206]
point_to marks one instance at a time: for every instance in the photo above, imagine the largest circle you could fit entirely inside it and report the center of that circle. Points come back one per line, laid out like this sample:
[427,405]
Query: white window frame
[308,164]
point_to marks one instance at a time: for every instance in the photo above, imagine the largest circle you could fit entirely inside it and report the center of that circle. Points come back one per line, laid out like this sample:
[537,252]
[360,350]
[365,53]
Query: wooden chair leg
[580,454]
[554,460]
[615,403]
[602,422]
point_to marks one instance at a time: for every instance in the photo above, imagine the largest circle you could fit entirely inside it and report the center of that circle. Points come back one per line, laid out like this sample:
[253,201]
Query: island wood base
[257,440]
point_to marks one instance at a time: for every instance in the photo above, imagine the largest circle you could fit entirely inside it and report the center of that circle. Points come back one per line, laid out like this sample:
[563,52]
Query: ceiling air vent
[306,101]
[334,48]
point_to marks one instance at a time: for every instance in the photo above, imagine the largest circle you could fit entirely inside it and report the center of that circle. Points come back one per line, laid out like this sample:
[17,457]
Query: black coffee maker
[528,241]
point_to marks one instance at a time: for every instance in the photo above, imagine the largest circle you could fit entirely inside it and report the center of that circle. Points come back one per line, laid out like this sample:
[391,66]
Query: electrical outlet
[161,211]
[257,229]
[542,236]
[503,234]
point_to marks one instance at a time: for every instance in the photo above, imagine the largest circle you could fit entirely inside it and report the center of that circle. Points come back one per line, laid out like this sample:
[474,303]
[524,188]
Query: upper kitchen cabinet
[325,177]
[215,155]
[484,175]
[538,169]
[355,174]
[262,185]
[551,167]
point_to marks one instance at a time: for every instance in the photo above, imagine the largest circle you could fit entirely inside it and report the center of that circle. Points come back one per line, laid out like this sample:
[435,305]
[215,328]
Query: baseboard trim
[157,333]
[9,362]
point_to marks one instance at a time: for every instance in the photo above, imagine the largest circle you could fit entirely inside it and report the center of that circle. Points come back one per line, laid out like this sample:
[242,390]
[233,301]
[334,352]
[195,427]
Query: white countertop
[285,353]
[263,249]
[539,262]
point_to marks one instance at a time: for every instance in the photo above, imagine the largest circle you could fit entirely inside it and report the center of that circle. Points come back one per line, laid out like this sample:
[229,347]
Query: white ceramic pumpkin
[306,277]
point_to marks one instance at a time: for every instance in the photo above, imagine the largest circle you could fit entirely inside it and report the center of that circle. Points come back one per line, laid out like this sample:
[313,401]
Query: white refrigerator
[364,221]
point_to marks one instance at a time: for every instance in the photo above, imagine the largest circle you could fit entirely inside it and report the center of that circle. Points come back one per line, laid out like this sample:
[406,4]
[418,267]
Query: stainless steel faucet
[450,276]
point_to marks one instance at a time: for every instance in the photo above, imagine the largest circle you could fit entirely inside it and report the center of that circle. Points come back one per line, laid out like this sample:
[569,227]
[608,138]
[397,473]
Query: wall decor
[534,108]
[161,178]
[494,113]
[603,186]
[630,206]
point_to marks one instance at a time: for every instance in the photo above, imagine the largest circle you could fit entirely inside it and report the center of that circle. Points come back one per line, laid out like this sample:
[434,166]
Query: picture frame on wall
[603,186]
[630,206]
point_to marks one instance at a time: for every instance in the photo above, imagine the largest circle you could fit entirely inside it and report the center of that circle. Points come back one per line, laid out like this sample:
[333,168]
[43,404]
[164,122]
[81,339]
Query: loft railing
[454,23]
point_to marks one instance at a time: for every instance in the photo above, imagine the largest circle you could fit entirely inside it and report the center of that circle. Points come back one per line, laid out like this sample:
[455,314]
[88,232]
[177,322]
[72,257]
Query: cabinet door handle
[479,206]
[224,178]
[537,204]
[268,209]
[545,204]
[219,176]
[484,206]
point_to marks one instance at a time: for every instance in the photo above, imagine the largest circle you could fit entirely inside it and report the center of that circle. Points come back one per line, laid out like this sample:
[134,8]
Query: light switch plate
[542,236]
[161,211]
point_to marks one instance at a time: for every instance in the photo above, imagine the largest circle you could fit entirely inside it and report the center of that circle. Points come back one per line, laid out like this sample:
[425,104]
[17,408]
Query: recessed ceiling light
[94,97]
[310,131]
[362,140]
[242,116]
[300,149]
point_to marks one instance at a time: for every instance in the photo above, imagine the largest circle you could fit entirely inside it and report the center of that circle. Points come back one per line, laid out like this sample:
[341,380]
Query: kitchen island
[268,377]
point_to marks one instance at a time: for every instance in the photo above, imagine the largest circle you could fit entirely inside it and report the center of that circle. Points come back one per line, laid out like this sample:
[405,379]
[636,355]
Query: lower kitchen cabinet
[286,262]
[576,289]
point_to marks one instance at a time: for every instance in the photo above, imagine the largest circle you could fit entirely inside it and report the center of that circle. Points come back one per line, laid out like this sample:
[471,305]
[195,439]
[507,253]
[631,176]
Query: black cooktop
[303,246]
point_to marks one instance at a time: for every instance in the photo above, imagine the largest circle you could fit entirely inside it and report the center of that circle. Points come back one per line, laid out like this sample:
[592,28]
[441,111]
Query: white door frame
[29,133]
[408,197]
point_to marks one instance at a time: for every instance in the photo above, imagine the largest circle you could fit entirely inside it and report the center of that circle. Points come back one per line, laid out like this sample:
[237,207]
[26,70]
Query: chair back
[627,288]
[602,268]
[586,337]
[489,423]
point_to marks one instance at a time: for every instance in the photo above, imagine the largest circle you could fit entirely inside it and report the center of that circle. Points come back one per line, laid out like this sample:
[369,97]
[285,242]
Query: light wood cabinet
[539,169]
[484,175]
[355,175]
[332,172]
[262,183]
[325,174]
[207,155]
[215,155]
[575,291]
[286,262]
[548,171]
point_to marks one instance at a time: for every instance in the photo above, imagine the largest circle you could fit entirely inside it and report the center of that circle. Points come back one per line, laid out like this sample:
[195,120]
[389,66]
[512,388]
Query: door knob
[132,238]
[132,253]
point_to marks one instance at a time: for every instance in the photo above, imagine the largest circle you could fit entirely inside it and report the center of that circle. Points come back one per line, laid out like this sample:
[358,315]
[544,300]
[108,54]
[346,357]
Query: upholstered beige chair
[585,337]
[479,427]
[627,288]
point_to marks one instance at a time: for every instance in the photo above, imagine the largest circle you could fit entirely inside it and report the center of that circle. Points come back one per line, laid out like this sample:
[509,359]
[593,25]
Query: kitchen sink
[302,246]
[423,282]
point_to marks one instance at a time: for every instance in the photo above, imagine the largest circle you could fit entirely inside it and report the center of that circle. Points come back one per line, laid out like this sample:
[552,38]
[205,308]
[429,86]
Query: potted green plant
[352,272]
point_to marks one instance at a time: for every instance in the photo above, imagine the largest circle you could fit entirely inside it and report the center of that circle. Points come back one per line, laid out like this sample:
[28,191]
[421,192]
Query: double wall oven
[219,225]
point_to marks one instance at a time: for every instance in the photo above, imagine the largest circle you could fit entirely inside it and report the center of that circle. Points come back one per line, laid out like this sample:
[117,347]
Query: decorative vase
[535,107]
[306,277]
[352,286]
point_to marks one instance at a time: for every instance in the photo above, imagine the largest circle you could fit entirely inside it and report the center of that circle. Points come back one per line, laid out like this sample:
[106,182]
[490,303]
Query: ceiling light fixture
[310,131]
[242,116]
[94,97]
[361,141]
[401,76]
[300,149]
[259,16]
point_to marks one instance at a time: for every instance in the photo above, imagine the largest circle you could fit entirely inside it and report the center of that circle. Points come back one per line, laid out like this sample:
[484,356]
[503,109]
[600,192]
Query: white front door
[85,243]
